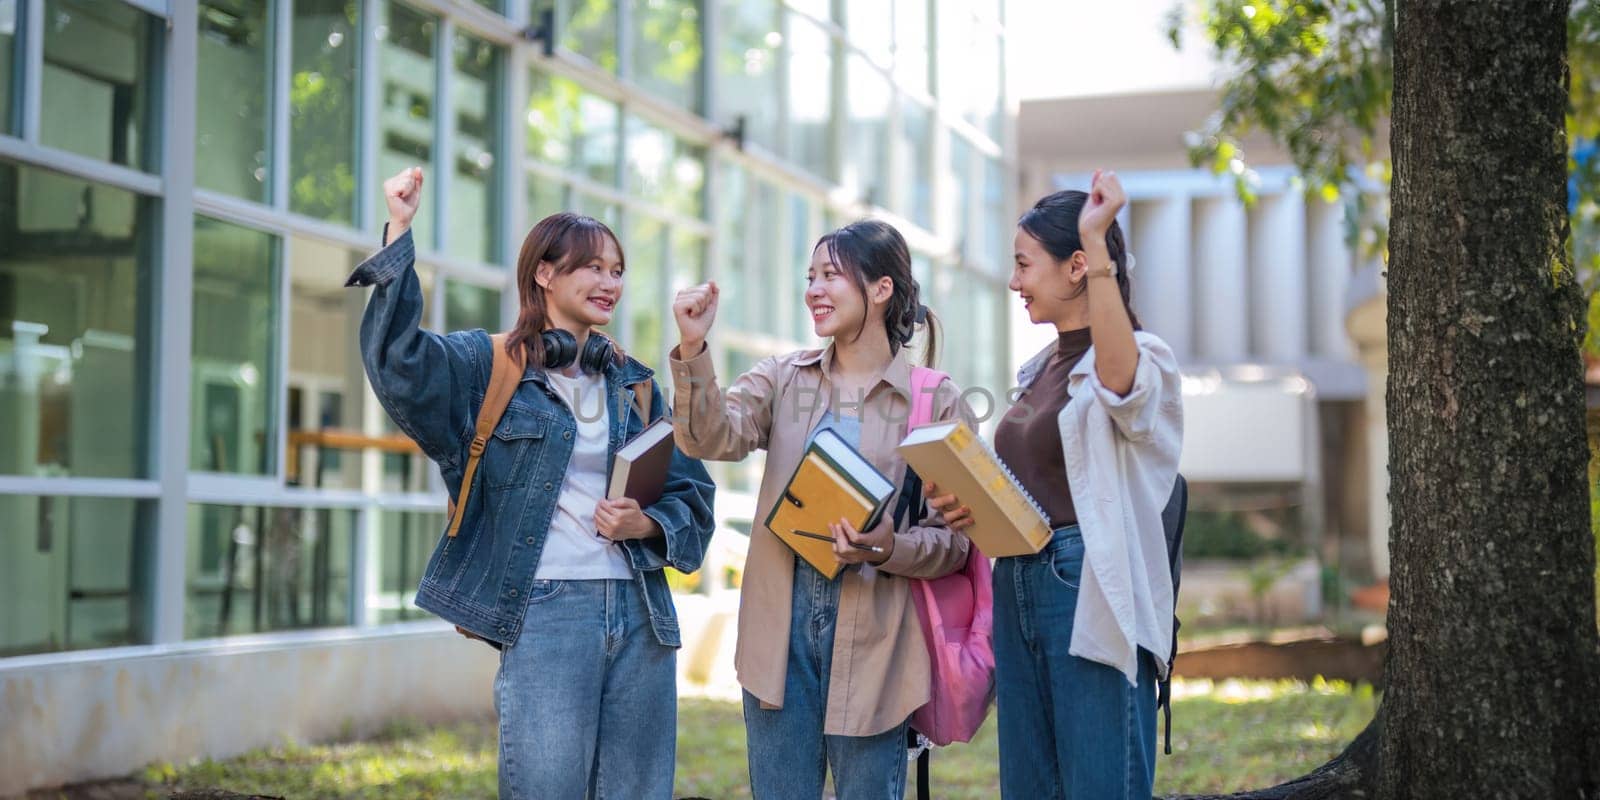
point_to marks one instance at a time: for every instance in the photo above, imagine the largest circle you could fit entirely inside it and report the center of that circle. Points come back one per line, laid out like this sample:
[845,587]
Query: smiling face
[584,295]
[837,304]
[1043,282]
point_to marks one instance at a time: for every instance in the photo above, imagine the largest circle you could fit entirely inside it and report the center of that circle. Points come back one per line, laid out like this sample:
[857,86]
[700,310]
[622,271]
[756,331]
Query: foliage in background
[1317,78]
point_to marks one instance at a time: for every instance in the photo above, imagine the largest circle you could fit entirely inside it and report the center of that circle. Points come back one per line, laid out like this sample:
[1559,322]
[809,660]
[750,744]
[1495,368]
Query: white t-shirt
[574,550]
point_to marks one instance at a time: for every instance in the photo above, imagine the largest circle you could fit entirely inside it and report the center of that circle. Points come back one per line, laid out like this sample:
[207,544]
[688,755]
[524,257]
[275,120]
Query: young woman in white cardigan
[1083,628]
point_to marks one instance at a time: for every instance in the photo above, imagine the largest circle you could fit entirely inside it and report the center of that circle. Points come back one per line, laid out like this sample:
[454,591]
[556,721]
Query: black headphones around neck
[561,348]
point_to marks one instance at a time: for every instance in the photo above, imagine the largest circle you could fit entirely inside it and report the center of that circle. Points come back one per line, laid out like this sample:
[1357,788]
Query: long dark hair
[1053,221]
[870,249]
[568,241]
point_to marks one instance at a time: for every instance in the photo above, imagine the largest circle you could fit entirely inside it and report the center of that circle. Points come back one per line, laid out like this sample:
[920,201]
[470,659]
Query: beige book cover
[1005,520]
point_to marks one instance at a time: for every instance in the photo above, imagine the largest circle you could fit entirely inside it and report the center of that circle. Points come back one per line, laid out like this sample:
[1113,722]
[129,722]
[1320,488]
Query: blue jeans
[789,754]
[588,699]
[1069,728]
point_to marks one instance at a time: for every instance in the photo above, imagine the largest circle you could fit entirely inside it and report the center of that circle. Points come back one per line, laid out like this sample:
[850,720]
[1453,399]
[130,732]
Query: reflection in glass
[467,307]
[587,27]
[99,75]
[644,297]
[810,94]
[915,159]
[322,109]
[328,391]
[911,44]
[476,93]
[8,54]
[404,540]
[572,128]
[870,27]
[664,170]
[68,566]
[747,55]
[992,225]
[253,569]
[867,132]
[667,51]
[75,284]
[546,196]
[231,90]
[406,110]
[231,377]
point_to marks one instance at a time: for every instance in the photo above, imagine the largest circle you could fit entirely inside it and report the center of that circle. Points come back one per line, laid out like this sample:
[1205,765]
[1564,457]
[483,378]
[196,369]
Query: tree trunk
[1493,678]
[1493,675]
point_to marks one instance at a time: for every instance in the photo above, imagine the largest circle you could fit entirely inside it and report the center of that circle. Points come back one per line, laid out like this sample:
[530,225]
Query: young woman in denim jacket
[567,584]
[1083,628]
[831,669]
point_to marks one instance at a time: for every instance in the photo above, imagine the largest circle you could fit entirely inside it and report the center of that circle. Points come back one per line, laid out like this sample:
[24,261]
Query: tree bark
[1493,673]
[1493,677]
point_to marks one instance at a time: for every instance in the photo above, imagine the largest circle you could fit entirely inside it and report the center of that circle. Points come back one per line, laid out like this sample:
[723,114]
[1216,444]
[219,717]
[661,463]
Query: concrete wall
[106,713]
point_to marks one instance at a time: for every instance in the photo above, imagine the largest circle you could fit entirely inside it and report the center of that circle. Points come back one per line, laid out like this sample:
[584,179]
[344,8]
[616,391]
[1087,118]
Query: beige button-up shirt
[880,671]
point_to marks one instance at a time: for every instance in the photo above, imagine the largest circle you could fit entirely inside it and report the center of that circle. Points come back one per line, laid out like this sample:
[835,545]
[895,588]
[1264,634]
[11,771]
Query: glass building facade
[188,445]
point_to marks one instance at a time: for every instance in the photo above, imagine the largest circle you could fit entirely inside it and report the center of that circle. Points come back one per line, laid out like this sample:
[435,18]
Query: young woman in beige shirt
[831,669]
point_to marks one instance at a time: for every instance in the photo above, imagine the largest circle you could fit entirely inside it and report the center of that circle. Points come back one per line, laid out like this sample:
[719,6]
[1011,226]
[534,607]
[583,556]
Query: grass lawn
[1226,736]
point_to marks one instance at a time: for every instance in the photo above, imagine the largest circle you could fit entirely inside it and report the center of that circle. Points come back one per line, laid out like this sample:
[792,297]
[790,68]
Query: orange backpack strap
[503,381]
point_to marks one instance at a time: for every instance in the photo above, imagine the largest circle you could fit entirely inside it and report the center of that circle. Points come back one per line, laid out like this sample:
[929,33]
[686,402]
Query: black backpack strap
[923,760]
[910,497]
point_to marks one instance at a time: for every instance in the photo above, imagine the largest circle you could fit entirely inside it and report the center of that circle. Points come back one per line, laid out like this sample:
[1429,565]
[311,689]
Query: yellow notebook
[1005,519]
[833,480]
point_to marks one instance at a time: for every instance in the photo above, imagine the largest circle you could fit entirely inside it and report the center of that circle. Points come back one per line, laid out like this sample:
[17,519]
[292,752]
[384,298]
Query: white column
[1221,280]
[1162,281]
[1331,263]
[1278,278]
[1377,434]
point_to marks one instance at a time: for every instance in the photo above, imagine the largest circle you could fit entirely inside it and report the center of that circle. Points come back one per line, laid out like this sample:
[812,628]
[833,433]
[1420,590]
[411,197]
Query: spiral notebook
[1006,520]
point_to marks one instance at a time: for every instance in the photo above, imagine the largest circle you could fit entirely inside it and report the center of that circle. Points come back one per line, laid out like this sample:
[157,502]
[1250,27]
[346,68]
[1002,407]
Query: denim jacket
[433,385]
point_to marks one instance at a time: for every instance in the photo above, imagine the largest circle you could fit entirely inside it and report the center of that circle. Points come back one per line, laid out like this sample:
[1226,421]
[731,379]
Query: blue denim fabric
[587,697]
[1069,728]
[433,385]
[789,755]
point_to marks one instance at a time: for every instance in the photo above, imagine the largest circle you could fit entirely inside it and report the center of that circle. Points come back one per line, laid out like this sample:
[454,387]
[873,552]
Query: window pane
[870,27]
[737,236]
[473,204]
[587,27]
[467,307]
[688,260]
[545,197]
[254,569]
[328,391]
[867,132]
[322,109]
[992,225]
[959,199]
[405,540]
[664,170]
[599,208]
[667,51]
[8,53]
[791,285]
[406,113]
[642,298]
[67,567]
[231,399]
[911,44]
[231,98]
[75,360]
[915,160]
[810,94]
[747,68]
[820,9]
[571,128]
[98,76]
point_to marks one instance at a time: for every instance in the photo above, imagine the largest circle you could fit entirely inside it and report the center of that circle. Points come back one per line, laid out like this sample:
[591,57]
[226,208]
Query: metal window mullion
[32,68]
[363,567]
[444,132]
[174,318]
[78,166]
[79,487]
[369,128]
[624,33]
[282,82]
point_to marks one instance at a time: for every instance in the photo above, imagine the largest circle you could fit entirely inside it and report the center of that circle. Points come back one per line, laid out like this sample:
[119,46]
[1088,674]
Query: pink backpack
[957,615]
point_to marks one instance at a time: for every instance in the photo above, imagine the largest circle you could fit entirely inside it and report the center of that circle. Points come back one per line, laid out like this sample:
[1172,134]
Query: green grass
[1232,735]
